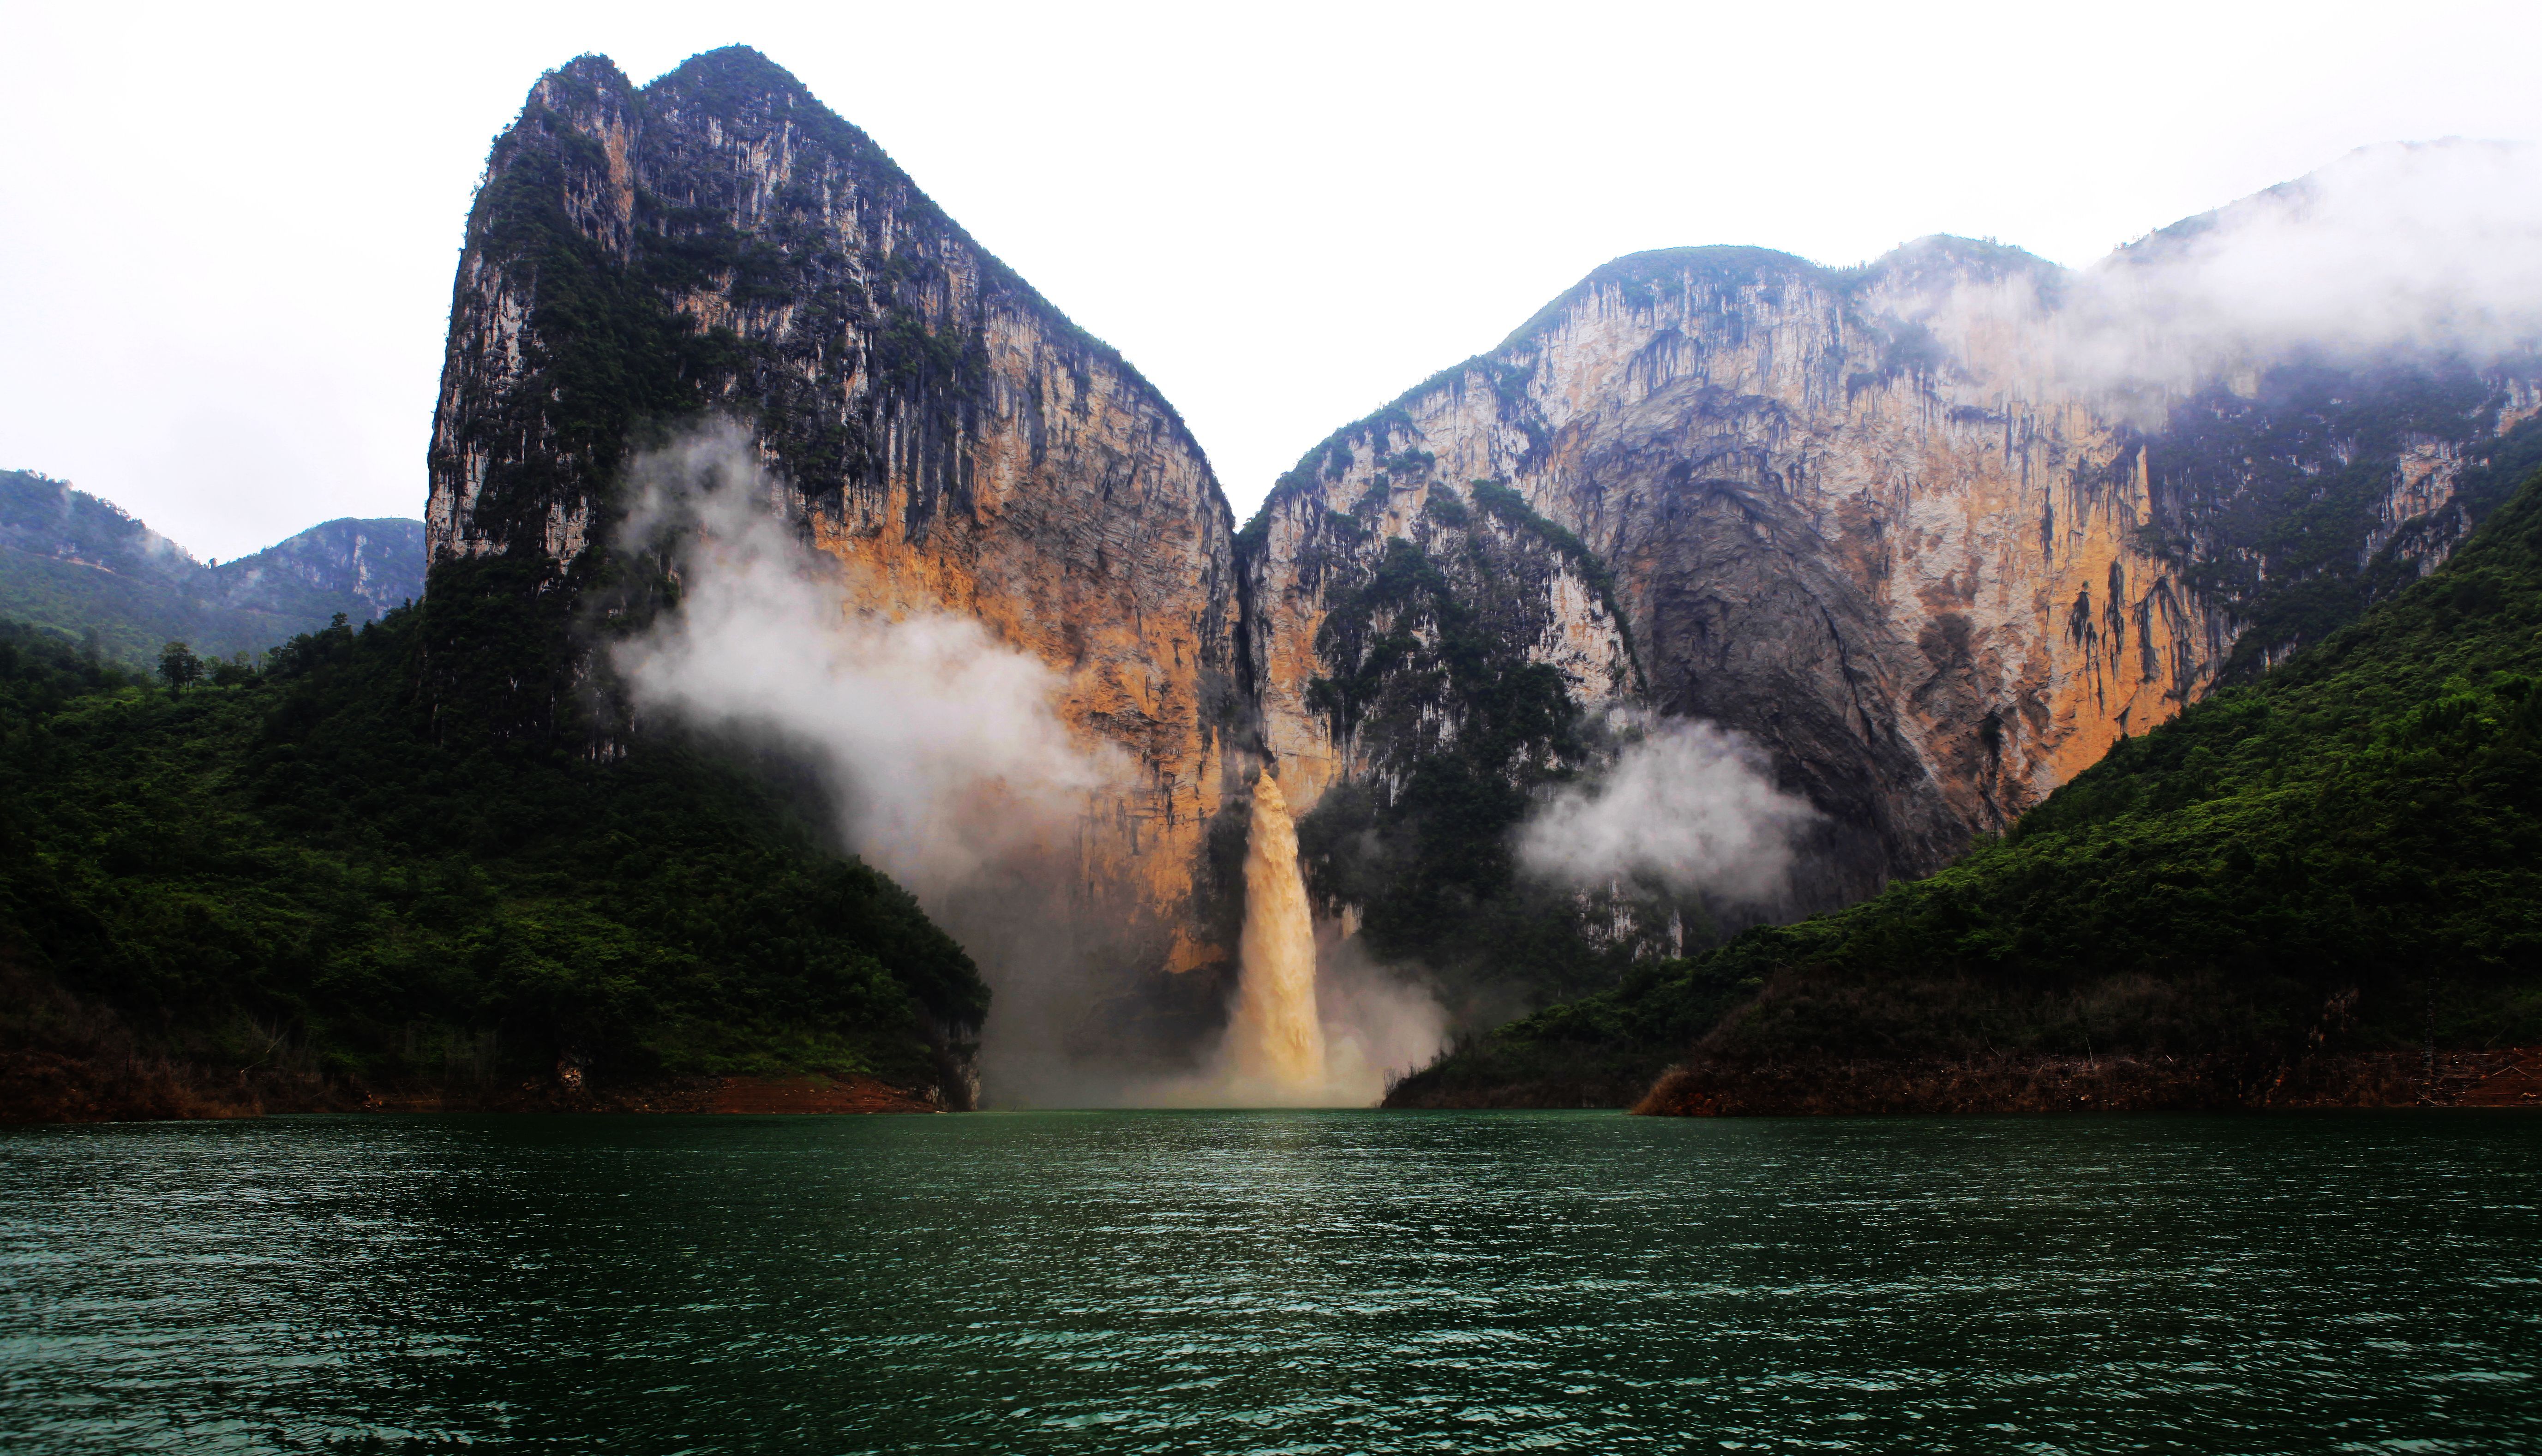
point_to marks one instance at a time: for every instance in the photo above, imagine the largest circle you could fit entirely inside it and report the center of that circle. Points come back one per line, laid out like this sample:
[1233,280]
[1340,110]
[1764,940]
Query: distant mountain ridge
[74,563]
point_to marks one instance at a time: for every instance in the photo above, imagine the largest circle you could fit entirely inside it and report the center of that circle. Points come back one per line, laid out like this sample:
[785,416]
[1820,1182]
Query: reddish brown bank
[37,1086]
[2509,1077]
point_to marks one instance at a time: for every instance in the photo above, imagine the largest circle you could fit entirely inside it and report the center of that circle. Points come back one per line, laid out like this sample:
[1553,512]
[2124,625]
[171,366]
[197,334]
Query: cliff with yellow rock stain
[1869,518]
[717,244]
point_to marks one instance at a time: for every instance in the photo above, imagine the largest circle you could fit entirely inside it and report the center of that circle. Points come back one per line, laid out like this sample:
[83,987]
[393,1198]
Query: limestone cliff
[718,243]
[1456,637]
[1354,663]
[1865,517]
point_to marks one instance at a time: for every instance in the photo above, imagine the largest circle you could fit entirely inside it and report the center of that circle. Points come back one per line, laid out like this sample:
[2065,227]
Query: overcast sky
[229,231]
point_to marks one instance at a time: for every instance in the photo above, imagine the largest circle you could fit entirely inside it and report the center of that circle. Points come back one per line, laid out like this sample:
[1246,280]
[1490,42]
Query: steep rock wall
[1862,517]
[1347,672]
[718,243]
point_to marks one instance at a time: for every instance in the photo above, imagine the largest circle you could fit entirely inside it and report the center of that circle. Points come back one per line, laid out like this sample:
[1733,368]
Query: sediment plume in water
[1275,1035]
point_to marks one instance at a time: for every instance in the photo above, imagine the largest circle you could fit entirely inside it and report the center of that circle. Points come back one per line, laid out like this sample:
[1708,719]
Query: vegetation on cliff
[1455,728]
[2275,502]
[289,874]
[2341,859]
[79,568]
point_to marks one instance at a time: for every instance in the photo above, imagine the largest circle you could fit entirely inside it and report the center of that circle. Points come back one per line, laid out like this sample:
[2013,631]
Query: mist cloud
[949,757]
[1687,802]
[955,774]
[2428,245]
[2422,247]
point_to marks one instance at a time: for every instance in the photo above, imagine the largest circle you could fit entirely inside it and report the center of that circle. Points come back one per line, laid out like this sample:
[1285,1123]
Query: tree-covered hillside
[2284,894]
[79,568]
[283,890]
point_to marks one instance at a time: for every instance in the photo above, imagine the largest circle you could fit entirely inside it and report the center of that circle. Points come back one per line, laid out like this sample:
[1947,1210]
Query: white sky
[227,232]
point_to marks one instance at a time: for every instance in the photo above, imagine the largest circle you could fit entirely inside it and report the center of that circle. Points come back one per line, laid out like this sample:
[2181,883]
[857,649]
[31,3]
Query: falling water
[1275,1035]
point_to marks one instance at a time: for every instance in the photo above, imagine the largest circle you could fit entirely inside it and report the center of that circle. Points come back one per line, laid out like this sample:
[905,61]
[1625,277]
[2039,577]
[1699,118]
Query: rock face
[1361,610]
[361,569]
[1446,642]
[718,243]
[1866,522]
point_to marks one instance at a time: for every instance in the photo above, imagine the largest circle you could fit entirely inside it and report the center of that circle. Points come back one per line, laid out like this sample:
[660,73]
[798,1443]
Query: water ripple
[1280,1283]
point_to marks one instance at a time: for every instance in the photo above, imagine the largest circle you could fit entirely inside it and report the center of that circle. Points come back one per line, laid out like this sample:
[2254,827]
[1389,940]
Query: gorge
[773,522]
[1308,821]
[1904,532]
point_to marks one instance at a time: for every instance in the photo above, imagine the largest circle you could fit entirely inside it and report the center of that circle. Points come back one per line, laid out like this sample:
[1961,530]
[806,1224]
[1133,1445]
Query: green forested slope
[290,870]
[127,617]
[2342,858]
[79,568]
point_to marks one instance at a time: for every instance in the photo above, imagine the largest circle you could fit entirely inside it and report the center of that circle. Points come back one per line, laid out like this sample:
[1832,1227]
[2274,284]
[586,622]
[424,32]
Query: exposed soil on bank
[50,1088]
[67,1061]
[2510,1077]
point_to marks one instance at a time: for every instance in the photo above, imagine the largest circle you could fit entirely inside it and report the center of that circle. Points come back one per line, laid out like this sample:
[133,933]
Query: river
[1281,1282]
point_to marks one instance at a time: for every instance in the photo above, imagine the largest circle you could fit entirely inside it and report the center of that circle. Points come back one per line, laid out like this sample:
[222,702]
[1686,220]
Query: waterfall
[1275,1035]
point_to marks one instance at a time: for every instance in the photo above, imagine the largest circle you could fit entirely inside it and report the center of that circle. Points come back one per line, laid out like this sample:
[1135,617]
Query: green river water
[1279,1282]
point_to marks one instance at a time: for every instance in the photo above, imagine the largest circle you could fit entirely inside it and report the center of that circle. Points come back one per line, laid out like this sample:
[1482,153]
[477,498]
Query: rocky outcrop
[361,569]
[1447,643]
[1359,611]
[718,243]
[1865,517]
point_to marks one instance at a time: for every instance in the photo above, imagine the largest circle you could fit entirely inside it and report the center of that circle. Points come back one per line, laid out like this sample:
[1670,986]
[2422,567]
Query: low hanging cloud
[949,757]
[2429,248]
[2427,245]
[1688,804]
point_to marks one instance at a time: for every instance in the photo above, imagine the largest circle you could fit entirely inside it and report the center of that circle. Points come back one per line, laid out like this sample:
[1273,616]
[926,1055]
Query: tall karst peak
[648,225]
[719,246]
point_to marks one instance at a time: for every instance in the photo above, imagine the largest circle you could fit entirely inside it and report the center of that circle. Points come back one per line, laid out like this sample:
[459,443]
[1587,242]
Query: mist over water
[1317,1021]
